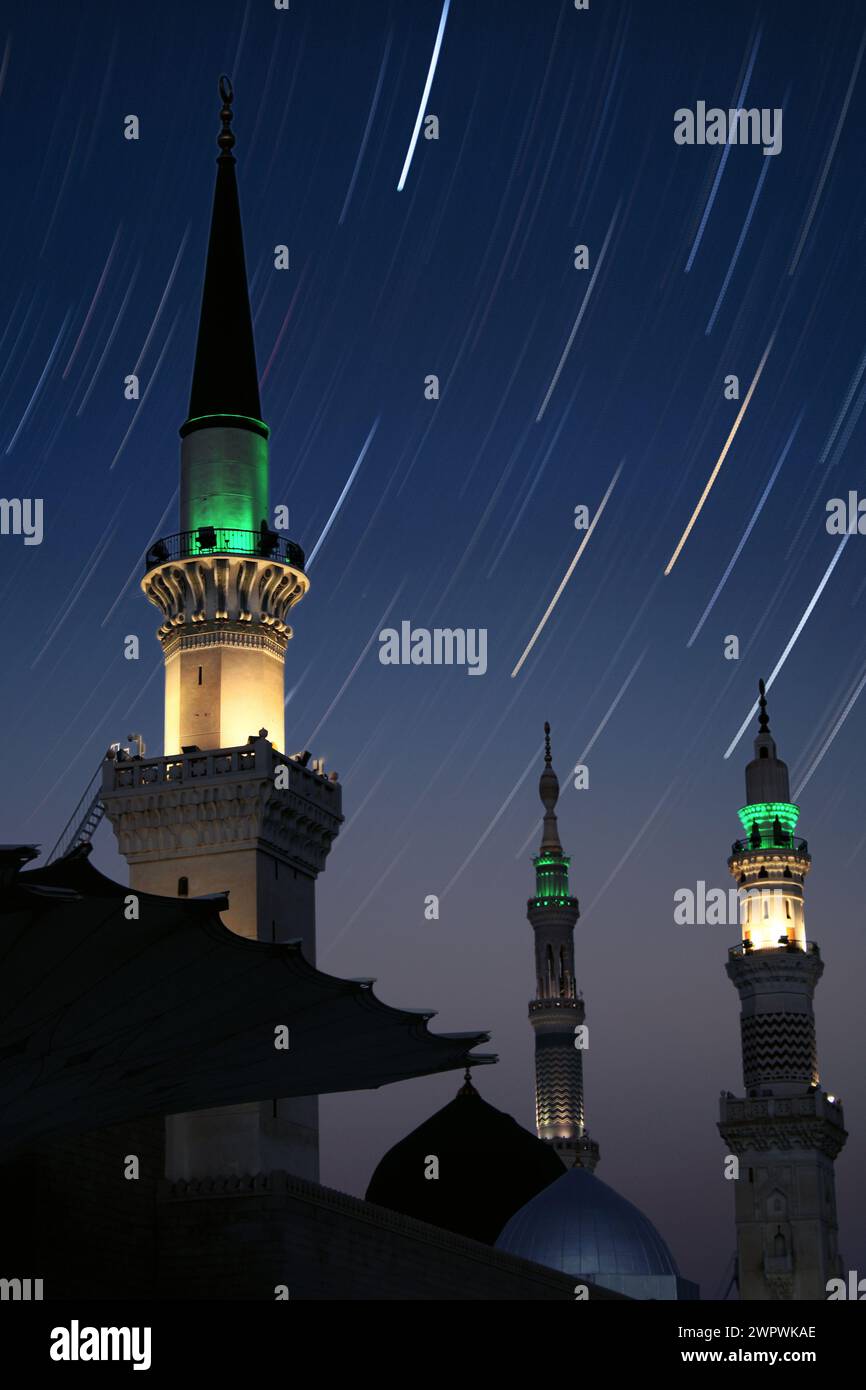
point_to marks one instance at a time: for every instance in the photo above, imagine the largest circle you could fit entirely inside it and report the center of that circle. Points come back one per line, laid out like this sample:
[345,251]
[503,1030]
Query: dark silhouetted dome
[489,1166]
[583,1227]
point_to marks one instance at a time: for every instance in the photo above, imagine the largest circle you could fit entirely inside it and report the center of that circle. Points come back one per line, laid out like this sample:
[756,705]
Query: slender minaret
[785,1131]
[227,582]
[224,809]
[557,1013]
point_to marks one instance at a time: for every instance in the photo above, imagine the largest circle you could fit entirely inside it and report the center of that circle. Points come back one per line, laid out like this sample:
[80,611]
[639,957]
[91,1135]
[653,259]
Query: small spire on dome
[467,1089]
[226,137]
[547,754]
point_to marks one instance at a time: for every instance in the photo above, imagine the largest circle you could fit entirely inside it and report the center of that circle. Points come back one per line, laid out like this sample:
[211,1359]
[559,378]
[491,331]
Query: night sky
[555,129]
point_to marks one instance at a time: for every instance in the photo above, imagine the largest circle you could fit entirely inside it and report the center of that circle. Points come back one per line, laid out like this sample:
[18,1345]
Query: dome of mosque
[581,1226]
[488,1166]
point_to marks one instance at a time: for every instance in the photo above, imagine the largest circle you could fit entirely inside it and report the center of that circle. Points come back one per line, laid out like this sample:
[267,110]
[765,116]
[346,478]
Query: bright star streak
[577,322]
[568,573]
[342,496]
[290,694]
[796,633]
[748,531]
[427,85]
[830,737]
[720,460]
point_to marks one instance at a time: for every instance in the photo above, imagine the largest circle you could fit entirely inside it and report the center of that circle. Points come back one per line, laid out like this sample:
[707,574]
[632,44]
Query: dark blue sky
[556,128]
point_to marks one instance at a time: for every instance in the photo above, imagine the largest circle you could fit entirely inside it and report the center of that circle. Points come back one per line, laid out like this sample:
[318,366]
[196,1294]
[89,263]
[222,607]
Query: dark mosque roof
[225,379]
[103,1019]
[488,1167]
[583,1227]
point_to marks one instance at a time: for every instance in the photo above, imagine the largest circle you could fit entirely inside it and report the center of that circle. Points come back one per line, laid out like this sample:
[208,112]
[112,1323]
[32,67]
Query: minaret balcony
[561,1005]
[745,949]
[811,1120]
[224,540]
[220,580]
[760,842]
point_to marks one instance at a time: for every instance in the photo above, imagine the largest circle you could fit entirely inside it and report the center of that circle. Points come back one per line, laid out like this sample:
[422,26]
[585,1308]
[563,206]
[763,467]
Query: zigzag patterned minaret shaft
[785,1132]
[557,1011]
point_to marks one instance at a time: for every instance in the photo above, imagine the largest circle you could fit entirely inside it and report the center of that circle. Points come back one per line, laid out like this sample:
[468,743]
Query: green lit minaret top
[225,483]
[551,864]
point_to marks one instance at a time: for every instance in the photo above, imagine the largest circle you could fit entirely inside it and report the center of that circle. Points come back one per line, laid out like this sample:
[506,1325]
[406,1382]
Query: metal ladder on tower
[85,819]
[83,823]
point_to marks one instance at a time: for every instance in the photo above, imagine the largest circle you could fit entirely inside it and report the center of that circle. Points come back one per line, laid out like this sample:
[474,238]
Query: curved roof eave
[104,1019]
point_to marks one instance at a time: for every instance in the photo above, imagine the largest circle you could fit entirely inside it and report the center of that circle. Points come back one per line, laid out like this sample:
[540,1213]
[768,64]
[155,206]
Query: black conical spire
[225,380]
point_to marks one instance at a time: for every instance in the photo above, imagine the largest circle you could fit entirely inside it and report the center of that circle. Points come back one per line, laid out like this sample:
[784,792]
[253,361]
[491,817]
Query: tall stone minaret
[785,1131]
[224,809]
[556,1013]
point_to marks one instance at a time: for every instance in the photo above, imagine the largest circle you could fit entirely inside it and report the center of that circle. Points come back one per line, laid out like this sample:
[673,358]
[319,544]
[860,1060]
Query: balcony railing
[810,948]
[767,840]
[224,540]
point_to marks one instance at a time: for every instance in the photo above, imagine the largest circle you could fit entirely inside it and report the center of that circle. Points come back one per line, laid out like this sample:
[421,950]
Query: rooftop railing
[258,756]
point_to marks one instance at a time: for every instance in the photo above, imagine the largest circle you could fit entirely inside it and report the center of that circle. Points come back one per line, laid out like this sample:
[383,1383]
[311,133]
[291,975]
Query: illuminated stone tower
[226,583]
[556,1013]
[224,808]
[786,1131]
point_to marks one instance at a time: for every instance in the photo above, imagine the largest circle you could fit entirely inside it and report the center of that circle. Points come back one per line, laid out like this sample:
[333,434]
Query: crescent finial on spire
[226,138]
[548,790]
[764,722]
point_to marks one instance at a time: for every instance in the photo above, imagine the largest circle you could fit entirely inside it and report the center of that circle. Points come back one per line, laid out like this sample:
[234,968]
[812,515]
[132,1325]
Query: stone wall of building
[76,1222]
[243,1240]
[88,1232]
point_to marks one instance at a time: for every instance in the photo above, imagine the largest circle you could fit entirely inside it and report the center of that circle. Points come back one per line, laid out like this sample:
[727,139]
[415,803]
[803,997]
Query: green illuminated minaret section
[557,1012]
[226,582]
